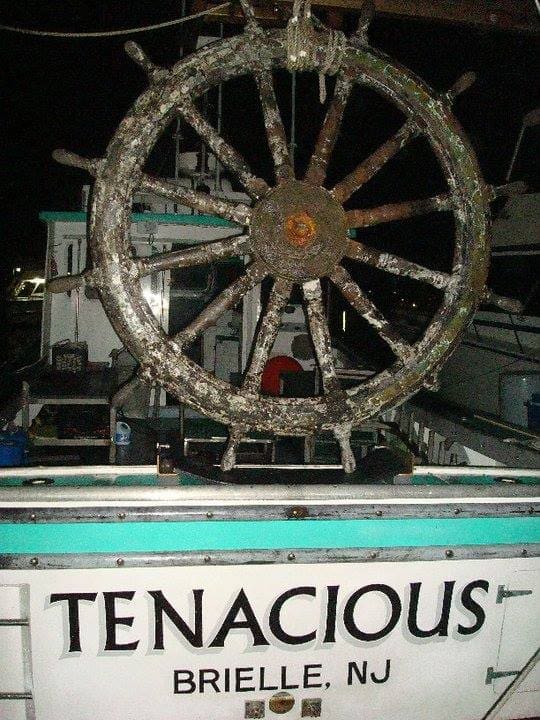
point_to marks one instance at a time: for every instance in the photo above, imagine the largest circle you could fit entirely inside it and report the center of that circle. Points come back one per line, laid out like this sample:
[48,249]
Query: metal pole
[217,180]
[510,690]
[293,117]
[178,133]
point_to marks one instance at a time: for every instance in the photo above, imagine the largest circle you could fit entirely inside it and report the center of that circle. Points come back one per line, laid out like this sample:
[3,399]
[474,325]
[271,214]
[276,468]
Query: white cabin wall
[471,377]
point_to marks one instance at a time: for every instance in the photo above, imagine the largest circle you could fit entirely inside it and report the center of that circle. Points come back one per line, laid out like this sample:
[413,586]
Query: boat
[205,530]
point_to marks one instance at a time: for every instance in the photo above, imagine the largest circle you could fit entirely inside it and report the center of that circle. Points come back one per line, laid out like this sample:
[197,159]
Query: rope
[112,33]
[303,43]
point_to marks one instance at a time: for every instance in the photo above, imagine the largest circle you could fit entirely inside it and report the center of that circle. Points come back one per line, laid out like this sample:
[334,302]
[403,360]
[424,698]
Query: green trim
[263,534]
[165,218]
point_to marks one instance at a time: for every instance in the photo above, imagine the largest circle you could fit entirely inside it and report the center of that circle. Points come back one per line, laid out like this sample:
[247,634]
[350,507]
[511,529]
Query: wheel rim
[162,358]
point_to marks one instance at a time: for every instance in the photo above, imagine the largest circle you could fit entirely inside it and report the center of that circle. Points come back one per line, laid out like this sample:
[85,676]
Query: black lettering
[473,607]
[441,628]
[163,607]
[361,675]
[377,680]
[348,613]
[212,680]
[178,681]
[275,617]
[241,678]
[112,620]
[312,672]
[262,680]
[241,604]
[227,675]
[284,685]
[331,607]
[73,600]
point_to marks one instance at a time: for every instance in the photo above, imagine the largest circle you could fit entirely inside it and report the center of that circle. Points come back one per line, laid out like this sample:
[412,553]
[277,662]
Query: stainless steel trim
[172,512]
[265,557]
[469,470]
[76,471]
[270,494]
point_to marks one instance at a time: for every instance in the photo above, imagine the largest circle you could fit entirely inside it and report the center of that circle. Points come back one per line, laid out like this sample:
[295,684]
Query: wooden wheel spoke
[230,297]
[249,12]
[275,132]
[396,265]
[316,172]
[364,307]
[366,217]
[240,213]
[195,255]
[371,165]
[320,335]
[226,154]
[266,335]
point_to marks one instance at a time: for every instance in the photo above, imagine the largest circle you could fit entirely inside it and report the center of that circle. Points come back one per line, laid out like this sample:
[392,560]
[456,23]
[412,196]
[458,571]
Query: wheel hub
[298,231]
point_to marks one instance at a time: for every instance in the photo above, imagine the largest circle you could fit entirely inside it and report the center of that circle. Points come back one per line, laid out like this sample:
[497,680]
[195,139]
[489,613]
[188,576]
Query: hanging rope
[112,33]
[303,44]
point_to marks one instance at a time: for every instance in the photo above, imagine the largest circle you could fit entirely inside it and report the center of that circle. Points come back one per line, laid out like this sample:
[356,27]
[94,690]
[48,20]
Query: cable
[112,33]
[471,378]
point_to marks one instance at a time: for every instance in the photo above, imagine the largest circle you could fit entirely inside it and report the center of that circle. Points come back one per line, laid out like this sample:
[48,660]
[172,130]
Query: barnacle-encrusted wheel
[296,233]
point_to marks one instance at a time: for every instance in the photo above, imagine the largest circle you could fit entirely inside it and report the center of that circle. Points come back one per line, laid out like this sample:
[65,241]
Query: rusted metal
[274,219]
[316,172]
[300,229]
[117,274]
[398,211]
[396,265]
[369,167]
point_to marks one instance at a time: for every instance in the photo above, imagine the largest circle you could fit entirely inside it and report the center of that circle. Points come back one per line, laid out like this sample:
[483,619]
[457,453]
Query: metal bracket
[15,695]
[502,593]
[493,674]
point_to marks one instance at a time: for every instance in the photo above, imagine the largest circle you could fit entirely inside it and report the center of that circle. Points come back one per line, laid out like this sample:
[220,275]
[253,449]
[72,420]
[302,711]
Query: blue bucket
[13,448]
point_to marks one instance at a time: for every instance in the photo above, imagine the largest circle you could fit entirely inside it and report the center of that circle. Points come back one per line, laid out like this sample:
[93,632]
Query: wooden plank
[497,14]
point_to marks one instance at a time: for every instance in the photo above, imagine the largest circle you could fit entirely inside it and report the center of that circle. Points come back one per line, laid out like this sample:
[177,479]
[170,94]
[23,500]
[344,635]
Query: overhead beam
[516,15]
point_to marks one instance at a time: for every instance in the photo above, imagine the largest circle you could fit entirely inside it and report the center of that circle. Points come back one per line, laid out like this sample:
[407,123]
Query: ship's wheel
[296,233]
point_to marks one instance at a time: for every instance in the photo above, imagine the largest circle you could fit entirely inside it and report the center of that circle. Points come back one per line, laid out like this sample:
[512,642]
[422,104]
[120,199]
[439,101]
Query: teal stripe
[168,218]
[263,534]
[185,478]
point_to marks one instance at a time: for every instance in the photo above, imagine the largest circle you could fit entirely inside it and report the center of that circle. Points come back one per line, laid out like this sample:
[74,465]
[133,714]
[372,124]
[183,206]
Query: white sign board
[410,640]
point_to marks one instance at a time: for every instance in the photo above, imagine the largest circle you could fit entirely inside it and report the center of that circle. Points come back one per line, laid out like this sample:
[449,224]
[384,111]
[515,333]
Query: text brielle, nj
[334,611]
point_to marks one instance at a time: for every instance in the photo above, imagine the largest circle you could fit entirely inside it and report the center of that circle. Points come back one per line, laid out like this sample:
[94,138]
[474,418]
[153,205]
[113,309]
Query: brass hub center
[300,229]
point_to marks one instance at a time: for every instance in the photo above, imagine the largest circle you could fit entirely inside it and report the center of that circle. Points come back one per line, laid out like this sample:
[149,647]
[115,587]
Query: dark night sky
[72,93]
